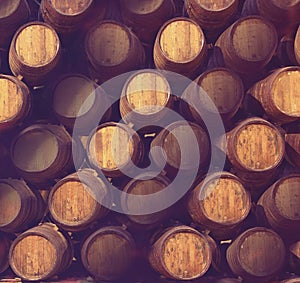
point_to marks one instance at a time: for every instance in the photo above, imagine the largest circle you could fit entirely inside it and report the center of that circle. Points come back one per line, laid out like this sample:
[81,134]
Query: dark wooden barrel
[145,17]
[294,257]
[20,206]
[181,253]
[292,147]
[180,47]
[40,253]
[248,44]
[175,146]
[15,102]
[109,253]
[35,53]
[281,204]
[83,192]
[112,49]
[145,97]
[4,250]
[220,203]
[255,146]
[113,148]
[69,16]
[211,15]
[292,280]
[42,152]
[297,45]
[279,94]
[145,184]
[77,98]
[222,86]
[13,13]
[257,255]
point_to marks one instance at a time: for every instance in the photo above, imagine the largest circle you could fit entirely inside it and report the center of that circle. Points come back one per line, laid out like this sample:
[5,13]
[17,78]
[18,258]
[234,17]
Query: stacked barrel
[150,140]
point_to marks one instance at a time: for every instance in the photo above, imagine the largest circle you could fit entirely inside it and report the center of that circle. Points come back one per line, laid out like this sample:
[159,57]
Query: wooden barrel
[35,53]
[222,86]
[297,45]
[281,204]
[113,148]
[112,49]
[250,256]
[77,98]
[15,102]
[279,94]
[146,17]
[220,203]
[248,44]
[145,184]
[40,253]
[4,250]
[145,97]
[292,147]
[108,253]
[294,257]
[42,152]
[292,280]
[68,16]
[181,253]
[180,47]
[84,193]
[20,206]
[211,15]
[13,13]
[175,146]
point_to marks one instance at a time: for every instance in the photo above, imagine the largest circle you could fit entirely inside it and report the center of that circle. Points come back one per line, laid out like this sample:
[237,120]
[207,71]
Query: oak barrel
[211,15]
[42,152]
[220,203]
[180,47]
[114,148]
[175,146]
[77,98]
[145,17]
[40,253]
[293,280]
[112,49]
[257,255]
[181,253]
[279,94]
[75,202]
[15,102]
[222,86]
[281,204]
[297,45]
[144,98]
[108,253]
[294,257]
[68,16]
[13,13]
[248,44]
[4,250]
[21,207]
[292,147]
[35,53]
[144,184]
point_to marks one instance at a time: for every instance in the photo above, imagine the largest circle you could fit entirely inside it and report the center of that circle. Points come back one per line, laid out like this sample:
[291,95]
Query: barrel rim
[272,29]
[152,71]
[35,23]
[260,121]
[232,2]
[234,75]
[34,128]
[123,3]
[88,52]
[184,229]
[240,240]
[161,30]
[276,186]
[273,81]
[12,12]
[225,175]
[70,15]
[19,85]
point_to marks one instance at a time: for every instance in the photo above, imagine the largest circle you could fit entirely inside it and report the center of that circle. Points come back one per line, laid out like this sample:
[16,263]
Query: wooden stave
[297,45]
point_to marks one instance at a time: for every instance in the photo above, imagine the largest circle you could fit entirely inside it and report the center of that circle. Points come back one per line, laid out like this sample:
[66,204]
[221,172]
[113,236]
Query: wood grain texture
[144,6]
[297,46]
[293,148]
[8,7]
[215,5]
[69,7]
[181,253]
[108,253]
